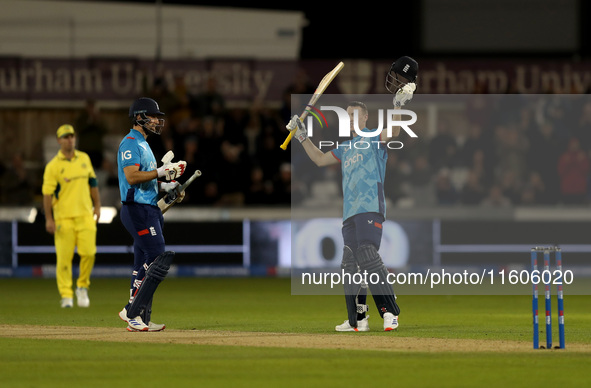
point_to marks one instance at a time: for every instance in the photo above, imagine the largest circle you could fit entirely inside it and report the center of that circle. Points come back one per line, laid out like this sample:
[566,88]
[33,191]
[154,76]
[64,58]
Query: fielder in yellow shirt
[72,207]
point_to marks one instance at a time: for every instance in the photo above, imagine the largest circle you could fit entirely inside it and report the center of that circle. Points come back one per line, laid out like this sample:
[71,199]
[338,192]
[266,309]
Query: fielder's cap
[146,106]
[64,130]
[406,67]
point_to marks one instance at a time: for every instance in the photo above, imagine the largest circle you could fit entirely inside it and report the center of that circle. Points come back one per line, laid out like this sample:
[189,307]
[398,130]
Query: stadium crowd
[516,150]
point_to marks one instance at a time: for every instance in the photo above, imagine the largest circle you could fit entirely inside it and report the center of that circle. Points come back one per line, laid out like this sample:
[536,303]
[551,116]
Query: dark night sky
[366,30]
[370,29]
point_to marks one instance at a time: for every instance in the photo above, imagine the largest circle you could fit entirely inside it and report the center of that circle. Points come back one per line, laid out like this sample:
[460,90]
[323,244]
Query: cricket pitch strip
[358,341]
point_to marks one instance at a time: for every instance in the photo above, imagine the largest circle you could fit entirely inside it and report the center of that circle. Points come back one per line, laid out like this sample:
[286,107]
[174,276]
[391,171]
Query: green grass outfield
[206,308]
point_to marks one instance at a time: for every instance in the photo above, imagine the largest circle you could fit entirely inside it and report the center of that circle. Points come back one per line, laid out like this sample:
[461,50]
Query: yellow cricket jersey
[69,183]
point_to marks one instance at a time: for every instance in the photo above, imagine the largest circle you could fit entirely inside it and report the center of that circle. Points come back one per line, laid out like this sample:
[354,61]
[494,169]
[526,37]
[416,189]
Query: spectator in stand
[233,124]
[233,172]
[474,142]
[542,157]
[182,100]
[443,150]
[483,168]
[478,108]
[396,186]
[534,192]
[511,150]
[445,191]
[270,156]
[91,130]
[260,191]
[473,191]
[421,182]
[284,195]
[210,194]
[210,102]
[555,109]
[193,156]
[510,186]
[17,182]
[496,198]
[582,128]
[573,169]
[205,190]
[252,133]
[3,188]
[109,182]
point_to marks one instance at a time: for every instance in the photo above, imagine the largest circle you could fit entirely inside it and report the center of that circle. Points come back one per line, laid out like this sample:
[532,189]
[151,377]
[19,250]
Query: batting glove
[404,95]
[301,132]
[171,171]
[171,189]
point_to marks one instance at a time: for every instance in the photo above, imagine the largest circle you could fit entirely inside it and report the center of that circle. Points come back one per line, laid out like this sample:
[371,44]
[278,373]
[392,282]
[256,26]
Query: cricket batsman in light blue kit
[139,187]
[364,208]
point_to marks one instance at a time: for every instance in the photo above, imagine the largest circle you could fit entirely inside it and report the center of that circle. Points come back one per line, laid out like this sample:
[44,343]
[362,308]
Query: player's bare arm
[49,222]
[395,130]
[134,176]
[319,158]
[96,202]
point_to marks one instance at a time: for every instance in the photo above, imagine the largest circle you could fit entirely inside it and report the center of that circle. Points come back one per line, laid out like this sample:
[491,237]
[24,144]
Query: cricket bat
[168,201]
[317,93]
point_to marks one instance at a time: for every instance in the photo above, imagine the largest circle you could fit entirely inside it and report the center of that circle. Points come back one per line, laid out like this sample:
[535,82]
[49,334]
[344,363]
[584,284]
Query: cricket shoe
[67,303]
[82,297]
[151,327]
[362,325]
[123,315]
[156,326]
[135,324]
[390,322]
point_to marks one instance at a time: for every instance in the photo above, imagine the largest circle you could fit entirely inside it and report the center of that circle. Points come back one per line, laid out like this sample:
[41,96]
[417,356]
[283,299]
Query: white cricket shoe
[151,326]
[136,324]
[82,297]
[67,303]
[123,315]
[390,322]
[362,325]
[156,326]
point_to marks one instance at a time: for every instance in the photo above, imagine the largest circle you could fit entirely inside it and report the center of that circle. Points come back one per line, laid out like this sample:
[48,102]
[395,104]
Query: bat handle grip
[286,142]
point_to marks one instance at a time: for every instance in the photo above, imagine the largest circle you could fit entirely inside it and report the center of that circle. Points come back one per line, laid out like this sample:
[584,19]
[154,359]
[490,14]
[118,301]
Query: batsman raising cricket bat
[363,170]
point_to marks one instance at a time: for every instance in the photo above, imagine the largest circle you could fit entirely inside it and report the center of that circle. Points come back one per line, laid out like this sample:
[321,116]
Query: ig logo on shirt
[126,155]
